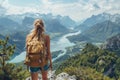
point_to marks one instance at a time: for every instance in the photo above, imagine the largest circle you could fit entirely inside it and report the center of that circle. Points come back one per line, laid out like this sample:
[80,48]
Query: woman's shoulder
[29,36]
[47,36]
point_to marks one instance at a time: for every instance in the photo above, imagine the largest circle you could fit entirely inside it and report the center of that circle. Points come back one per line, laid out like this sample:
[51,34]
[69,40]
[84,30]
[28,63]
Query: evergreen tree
[9,71]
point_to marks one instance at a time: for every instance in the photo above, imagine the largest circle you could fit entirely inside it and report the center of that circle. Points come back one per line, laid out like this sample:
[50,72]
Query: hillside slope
[92,58]
[98,33]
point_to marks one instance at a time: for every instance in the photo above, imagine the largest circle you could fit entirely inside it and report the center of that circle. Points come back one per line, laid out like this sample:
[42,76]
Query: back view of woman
[38,51]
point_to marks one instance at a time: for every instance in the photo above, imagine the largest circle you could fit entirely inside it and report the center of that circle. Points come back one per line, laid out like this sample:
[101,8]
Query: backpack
[36,53]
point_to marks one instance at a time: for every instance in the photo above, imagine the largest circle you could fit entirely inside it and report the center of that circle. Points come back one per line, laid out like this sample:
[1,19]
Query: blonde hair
[38,30]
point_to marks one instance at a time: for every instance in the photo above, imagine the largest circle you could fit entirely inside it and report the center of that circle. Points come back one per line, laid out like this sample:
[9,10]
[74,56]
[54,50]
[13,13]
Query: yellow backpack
[36,53]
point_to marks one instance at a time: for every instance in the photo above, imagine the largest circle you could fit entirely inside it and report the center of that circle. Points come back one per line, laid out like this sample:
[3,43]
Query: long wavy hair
[38,30]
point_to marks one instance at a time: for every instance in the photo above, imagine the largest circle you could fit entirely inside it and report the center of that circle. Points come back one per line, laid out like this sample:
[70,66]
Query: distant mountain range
[94,19]
[21,22]
[18,26]
[8,26]
[98,28]
[67,21]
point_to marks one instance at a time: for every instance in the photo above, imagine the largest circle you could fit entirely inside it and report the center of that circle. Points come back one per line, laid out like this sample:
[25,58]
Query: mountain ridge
[94,19]
[98,32]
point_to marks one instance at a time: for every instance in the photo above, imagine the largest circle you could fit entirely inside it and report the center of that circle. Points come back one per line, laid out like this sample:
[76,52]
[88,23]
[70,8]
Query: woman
[38,32]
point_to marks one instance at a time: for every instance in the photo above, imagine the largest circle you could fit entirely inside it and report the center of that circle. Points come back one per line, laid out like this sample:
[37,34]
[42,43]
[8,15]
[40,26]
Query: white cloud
[80,10]
[45,2]
[13,9]
[77,10]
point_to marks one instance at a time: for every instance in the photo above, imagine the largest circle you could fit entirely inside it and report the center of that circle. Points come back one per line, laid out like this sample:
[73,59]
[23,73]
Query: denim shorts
[36,69]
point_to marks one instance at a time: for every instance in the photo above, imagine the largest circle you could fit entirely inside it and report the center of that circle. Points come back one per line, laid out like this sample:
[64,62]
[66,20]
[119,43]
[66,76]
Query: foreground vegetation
[92,63]
[9,71]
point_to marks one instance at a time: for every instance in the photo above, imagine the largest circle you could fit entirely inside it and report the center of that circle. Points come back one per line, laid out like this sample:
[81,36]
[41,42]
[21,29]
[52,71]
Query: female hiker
[38,56]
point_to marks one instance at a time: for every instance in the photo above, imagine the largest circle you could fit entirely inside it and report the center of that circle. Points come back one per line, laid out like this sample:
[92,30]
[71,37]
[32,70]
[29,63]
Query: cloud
[81,9]
[76,9]
[14,9]
[45,2]
[63,1]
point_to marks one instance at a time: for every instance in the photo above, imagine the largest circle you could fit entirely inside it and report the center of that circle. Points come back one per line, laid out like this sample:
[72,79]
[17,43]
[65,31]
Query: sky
[76,9]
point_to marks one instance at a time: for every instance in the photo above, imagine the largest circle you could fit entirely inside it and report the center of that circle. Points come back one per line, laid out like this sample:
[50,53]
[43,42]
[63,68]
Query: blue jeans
[36,69]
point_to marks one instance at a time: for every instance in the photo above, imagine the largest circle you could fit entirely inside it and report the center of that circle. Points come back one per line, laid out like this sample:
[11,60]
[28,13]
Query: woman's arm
[48,50]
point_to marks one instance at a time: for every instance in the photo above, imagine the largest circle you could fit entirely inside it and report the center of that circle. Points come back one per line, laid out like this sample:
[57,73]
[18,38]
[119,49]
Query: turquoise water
[57,44]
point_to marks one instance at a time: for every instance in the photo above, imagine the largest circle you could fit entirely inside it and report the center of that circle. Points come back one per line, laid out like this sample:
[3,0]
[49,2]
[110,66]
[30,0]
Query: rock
[53,76]
[65,76]
[29,78]
[72,77]
[62,76]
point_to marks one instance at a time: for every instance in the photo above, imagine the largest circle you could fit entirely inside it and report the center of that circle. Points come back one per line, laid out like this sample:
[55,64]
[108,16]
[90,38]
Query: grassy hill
[92,62]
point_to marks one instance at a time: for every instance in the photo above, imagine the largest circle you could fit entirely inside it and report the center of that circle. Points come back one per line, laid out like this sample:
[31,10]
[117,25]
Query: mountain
[113,44]
[98,32]
[90,62]
[64,20]
[115,18]
[18,26]
[67,21]
[11,23]
[24,22]
[118,20]
[16,17]
[94,19]
[53,25]
[18,39]
[8,26]
[27,22]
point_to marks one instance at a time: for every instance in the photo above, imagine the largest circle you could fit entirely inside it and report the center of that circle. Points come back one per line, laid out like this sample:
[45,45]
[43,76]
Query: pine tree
[9,71]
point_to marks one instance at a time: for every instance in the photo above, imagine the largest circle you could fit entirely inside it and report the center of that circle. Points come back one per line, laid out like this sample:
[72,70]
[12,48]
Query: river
[56,44]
